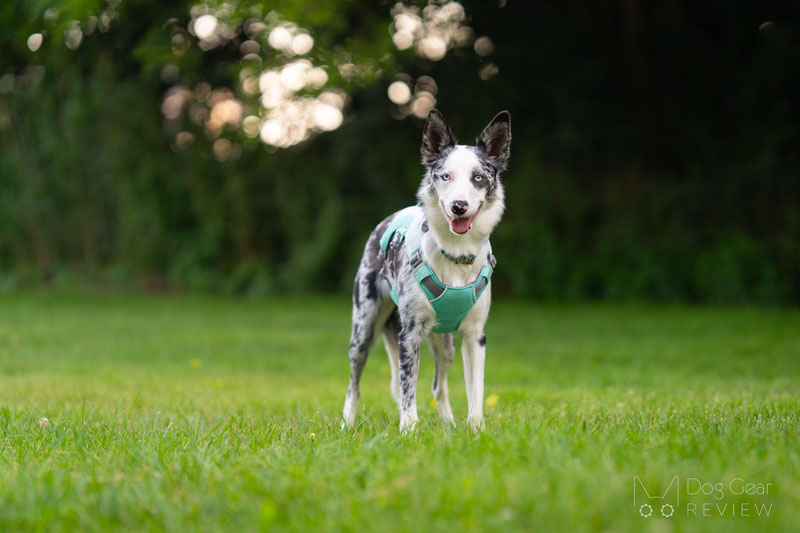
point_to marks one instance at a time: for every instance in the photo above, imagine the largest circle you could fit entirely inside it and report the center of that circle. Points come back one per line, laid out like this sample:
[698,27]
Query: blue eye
[478,177]
[445,176]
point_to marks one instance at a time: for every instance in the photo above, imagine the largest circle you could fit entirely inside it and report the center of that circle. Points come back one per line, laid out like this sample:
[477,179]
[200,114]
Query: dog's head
[461,191]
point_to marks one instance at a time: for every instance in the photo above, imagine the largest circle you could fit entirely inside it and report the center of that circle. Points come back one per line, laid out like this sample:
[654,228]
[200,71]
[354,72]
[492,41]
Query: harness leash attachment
[451,304]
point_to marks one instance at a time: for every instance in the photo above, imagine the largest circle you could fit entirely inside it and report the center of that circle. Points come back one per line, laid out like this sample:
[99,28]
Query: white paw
[408,422]
[477,424]
[349,413]
[446,414]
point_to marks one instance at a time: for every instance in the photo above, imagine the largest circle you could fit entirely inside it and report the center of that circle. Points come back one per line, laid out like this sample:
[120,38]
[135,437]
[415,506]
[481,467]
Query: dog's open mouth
[461,225]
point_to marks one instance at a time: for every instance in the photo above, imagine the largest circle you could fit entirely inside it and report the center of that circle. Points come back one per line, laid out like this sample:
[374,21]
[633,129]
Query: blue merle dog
[418,257]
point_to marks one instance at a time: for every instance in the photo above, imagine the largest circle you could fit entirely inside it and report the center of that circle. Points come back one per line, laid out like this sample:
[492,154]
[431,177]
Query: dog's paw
[447,418]
[446,414]
[477,424]
[349,414]
[408,423]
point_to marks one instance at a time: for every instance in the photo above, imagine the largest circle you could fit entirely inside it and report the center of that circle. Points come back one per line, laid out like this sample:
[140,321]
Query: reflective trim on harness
[451,304]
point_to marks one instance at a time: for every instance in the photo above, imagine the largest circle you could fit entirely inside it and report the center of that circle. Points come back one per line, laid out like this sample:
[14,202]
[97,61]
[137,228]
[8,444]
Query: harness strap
[434,288]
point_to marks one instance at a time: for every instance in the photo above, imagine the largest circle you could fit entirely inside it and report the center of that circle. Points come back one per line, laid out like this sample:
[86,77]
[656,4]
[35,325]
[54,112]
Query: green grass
[247,438]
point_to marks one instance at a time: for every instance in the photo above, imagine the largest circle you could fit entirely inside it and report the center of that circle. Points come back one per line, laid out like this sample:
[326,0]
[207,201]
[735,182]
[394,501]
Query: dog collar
[458,259]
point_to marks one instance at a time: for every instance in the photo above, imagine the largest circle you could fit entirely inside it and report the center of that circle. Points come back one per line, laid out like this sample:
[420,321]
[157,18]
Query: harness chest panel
[451,304]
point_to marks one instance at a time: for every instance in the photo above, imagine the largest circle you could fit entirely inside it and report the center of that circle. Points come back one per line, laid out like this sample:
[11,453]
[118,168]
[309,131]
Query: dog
[426,272]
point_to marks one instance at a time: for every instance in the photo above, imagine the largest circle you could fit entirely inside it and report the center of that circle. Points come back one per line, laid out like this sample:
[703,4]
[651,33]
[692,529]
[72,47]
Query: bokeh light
[210,28]
[251,125]
[434,47]
[73,36]
[184,138]
[488,71]
[417,103]
[423,103]
[302,43]
[282,96]
[204,26]
[484,46]
[35,41]
[431,32]
[222,149]
[278,103]
[436,30]
[399,92]
[172,105]
[280,38]
[426,83]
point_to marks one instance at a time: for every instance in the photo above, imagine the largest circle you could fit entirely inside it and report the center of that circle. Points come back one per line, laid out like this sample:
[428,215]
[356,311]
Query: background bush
[654,155]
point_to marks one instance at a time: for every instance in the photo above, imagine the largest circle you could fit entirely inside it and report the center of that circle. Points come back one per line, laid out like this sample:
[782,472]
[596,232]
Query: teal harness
[451,304]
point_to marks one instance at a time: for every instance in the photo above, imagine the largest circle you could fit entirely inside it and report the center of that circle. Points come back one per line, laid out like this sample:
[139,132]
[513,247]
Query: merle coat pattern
[462,198]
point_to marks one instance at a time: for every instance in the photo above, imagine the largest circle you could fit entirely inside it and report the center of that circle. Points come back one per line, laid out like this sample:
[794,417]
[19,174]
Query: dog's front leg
[473,352]
[443,350]
[409,342]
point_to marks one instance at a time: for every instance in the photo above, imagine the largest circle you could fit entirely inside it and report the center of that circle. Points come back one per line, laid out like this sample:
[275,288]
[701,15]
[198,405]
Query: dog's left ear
[495,141]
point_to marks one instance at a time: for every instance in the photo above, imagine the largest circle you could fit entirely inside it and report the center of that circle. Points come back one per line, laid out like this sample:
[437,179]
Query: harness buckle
[415,260]
[492,261]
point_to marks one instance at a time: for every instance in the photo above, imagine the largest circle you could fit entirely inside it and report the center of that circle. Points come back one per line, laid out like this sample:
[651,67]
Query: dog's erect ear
[436,138]
[495,141]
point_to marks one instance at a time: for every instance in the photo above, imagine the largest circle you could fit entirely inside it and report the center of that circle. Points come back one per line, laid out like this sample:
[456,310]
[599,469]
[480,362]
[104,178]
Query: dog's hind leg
[368,317]
[443,349]
[391,332]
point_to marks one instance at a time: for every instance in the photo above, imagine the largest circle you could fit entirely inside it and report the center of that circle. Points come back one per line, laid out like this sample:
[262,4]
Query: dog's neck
[439,237]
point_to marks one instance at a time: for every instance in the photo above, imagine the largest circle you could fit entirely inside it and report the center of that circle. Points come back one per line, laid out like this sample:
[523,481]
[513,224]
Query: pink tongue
[460,225]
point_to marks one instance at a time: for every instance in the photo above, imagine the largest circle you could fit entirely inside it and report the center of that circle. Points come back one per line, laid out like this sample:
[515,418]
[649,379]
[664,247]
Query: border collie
[426,272]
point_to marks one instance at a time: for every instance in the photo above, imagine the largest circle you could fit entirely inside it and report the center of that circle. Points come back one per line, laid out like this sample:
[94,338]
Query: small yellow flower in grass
[196,363]
[492,400]
[43,422]
[433,402]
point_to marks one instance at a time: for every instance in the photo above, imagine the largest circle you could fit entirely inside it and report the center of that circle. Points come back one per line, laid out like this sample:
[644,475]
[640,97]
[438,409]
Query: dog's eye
[478,178]
[445,177]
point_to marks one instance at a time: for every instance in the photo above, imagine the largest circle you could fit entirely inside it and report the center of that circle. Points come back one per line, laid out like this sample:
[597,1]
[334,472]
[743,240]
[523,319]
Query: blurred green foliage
[654,154]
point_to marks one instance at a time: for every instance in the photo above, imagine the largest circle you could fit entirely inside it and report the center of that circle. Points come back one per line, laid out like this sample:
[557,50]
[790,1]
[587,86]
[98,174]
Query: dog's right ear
[436,138]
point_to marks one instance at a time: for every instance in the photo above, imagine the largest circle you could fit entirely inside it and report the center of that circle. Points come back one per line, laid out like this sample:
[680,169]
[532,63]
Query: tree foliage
[654,154]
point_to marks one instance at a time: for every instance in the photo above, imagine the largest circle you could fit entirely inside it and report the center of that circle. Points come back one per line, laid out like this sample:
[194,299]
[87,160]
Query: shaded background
[172,147]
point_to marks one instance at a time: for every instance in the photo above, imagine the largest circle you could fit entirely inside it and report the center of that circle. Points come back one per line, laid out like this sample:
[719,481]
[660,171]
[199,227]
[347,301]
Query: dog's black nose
[459,207]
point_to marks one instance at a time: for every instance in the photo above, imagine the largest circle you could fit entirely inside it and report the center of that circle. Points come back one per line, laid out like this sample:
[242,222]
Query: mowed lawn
[158,413]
